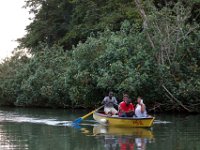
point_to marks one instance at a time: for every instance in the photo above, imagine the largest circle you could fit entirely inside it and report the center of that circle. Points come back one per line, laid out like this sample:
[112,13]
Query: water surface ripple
[47,129]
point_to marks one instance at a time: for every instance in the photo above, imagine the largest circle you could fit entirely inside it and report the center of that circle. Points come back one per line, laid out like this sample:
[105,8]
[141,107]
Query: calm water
[46,129]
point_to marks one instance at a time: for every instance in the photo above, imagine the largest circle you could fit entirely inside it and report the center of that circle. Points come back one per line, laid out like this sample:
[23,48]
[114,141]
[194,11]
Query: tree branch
[145,21]
[176,100]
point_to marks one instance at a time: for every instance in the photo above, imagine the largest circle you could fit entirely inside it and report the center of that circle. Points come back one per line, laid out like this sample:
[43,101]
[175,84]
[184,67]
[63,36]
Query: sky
[13,21]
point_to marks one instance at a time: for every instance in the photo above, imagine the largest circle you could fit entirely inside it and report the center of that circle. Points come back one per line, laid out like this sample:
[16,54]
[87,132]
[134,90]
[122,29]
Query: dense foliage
[67,22]
[80,51]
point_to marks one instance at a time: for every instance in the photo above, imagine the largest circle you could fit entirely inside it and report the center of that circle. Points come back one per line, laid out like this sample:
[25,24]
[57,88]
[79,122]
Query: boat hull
[123,121]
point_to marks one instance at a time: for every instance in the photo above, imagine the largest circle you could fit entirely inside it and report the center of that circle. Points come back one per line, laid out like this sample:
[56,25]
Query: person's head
[110,94]
[126,99]
[139,100]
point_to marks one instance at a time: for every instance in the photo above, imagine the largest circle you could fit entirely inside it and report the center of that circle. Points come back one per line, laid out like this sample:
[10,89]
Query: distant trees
[50,24]
[81,50]
[36,81]
[67,22]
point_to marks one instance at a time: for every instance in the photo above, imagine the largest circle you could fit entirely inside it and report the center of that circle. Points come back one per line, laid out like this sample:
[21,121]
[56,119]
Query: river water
[50,129]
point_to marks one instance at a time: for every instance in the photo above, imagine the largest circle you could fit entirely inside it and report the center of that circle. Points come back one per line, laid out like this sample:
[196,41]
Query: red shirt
[126,108]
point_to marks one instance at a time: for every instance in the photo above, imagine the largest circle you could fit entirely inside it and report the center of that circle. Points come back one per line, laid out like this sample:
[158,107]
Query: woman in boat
[109,102]
[140,110]
[126,108]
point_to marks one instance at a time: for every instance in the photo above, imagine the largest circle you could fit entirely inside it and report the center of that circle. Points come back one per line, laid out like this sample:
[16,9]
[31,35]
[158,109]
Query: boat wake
[161,122]
[52,122]
[15,118]
[55,122]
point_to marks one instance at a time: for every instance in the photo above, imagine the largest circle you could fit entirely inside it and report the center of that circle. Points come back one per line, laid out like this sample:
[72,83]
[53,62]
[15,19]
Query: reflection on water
[40,129]
[123,138]
[47,129]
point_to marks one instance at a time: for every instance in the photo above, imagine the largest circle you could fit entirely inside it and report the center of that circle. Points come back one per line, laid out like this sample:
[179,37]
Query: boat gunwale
[123,118]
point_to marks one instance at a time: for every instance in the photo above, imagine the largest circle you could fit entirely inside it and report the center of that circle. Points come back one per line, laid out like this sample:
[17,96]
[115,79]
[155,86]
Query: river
[50,129]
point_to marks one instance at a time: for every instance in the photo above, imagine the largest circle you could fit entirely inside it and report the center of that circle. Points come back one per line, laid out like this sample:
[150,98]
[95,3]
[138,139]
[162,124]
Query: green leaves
[65,23]
[109,52]
[109,62]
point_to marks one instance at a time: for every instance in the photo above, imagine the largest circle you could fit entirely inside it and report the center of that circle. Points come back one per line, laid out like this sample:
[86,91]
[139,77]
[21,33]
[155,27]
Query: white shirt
[138,112]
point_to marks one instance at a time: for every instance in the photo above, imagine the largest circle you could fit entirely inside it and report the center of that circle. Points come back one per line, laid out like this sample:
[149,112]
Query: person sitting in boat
[126,108]
[140,110]
[109,102]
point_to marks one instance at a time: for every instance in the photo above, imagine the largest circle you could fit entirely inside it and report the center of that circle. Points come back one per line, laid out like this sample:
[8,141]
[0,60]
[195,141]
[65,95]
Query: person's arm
[121,107]
[131,108]
[104,101]
[115,101]
[142,108]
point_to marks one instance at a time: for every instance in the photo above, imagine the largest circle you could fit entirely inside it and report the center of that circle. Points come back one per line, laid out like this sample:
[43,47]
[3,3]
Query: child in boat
[126,108]
[140,110]
[109,102]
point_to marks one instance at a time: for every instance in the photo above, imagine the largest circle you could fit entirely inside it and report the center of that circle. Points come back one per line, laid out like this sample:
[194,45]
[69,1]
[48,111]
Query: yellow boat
[122,121]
